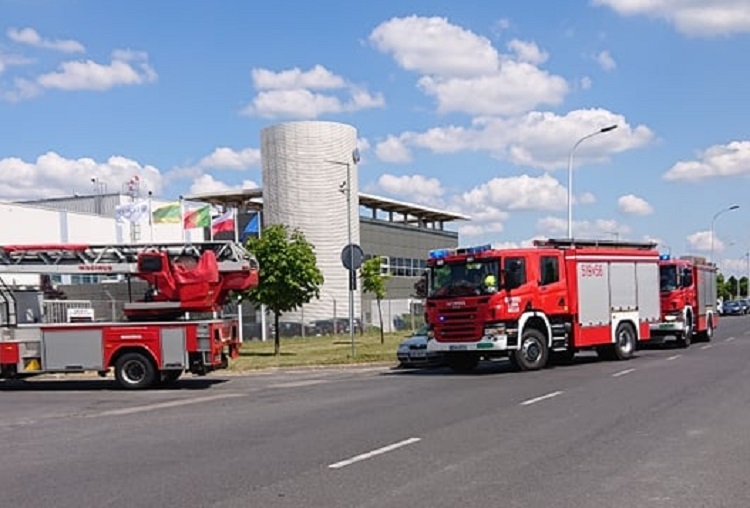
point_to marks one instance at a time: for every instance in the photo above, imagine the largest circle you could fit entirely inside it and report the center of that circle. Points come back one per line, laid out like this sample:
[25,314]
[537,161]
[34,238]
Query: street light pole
[716,216]
[570,174]
[352,271]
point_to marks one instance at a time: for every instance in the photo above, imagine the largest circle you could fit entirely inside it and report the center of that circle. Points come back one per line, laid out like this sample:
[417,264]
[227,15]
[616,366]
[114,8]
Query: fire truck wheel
[532,352]
[135,371]
[625,342]
[708,333]
[684,340]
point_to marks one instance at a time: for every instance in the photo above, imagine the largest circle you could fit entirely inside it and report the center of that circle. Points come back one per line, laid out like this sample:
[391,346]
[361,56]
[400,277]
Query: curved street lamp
[570,174]
[716,216]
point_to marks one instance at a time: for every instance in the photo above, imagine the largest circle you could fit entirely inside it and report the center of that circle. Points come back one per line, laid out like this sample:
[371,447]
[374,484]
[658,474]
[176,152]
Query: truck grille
[458,325]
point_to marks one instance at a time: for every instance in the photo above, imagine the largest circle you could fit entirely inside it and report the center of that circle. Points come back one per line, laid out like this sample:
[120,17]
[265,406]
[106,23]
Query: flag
[131,212]
[224,222]
[200,218]
[252,227]
[167,214]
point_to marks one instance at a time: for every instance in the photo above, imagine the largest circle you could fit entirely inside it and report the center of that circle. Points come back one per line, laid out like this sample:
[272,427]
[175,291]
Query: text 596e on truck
[555,298]
[688,299]
[157,342]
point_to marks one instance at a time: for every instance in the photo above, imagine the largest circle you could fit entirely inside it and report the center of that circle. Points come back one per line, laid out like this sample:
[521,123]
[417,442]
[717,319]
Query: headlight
[494,330]
[403,348]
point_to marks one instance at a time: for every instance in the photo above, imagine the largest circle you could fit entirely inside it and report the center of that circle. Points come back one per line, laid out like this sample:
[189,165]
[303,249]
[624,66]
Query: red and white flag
[224,222]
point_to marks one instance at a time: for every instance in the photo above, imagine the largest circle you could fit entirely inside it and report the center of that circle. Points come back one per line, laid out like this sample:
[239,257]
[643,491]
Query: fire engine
[688,299]
[552,299]
[157,341]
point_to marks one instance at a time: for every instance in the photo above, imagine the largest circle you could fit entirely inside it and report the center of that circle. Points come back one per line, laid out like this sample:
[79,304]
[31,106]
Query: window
[549,269]
[515,270]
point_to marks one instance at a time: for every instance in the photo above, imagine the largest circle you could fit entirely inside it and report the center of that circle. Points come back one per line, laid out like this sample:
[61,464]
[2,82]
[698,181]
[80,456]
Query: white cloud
[297,94]
[720,160]
[522,192]
[7,60]
[126,68]
[30,37]
[586,83]
[701,241]
[227,158]
[418,188]
[528,52]
[435,46]
[464,72]
[633,205]
[541,140]
[52,175]
[585,198]
[606,229]
[691,17]
[393,150]
[205,184]
[605,61]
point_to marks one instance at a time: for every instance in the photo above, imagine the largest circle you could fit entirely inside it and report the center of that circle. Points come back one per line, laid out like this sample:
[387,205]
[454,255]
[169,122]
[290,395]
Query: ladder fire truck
[157,341]
[530,304]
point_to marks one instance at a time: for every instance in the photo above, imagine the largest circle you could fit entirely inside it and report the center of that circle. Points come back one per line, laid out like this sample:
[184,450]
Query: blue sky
[468,106]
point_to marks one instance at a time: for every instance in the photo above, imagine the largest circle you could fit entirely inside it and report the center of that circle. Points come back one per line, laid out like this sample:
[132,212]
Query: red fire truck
[555,298]
[157,341]
[688,299]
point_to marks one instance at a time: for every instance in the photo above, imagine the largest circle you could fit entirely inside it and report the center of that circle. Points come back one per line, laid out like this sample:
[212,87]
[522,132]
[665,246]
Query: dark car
[413,352]
[733,308]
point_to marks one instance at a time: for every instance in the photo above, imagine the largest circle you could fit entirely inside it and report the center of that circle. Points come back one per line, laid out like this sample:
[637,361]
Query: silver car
[413,353]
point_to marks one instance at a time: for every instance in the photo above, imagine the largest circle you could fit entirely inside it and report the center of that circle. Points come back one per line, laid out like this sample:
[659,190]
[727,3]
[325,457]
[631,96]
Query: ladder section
[114,259]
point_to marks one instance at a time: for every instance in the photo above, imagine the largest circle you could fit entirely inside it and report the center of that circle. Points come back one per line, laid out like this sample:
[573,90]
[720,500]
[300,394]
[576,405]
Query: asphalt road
[670,428]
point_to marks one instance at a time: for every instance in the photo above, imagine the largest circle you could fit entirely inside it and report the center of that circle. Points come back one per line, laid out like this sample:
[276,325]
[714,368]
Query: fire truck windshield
[668,278]
[464,279]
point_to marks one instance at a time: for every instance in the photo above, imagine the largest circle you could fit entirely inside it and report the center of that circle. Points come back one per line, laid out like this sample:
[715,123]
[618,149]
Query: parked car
[413,353]
[732,308]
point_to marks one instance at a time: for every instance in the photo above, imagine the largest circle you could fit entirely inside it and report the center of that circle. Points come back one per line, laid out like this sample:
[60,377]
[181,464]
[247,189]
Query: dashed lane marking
[373,453]
[541,398]
[707,346]
[673,357]
[623,372]
[164,405]
[730,339]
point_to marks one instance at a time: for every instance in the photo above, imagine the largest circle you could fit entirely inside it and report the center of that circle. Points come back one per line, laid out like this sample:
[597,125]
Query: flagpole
[182,219]
[150,216]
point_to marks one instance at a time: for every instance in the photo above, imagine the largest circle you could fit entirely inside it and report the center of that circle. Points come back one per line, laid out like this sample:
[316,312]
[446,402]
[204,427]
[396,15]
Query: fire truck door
[552,291]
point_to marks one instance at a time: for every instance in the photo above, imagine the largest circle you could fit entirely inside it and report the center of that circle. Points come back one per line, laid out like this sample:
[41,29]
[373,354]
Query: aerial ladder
[158,340]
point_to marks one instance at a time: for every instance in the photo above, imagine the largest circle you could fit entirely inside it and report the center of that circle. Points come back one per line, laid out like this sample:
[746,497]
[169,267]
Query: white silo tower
[305,166]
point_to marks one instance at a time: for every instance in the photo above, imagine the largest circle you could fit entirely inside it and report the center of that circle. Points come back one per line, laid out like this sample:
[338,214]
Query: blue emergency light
[664,257]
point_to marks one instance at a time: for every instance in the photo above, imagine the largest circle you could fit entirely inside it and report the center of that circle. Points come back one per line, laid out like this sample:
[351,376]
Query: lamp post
[716,216]
[570,173]
[346,187]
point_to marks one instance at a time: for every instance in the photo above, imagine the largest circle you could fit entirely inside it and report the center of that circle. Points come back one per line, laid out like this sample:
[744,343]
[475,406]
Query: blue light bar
[440,253]
[664,257]
[474,249]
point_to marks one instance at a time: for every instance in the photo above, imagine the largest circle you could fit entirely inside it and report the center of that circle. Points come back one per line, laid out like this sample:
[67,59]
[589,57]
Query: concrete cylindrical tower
[304,187]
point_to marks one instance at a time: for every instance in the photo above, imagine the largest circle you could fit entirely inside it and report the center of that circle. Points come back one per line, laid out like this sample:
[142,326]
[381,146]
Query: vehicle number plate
[458,347]
[419,354]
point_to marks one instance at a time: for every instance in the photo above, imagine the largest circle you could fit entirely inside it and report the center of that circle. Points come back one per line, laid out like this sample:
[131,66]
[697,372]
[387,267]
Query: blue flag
[252,227]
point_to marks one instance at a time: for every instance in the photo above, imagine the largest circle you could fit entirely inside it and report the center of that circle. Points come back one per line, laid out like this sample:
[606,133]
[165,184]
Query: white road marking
[539,399]
[165,405]
[707,346]
[747,332]
[730,339]
[373,453]
[674,357]
[298,384]
[623,372]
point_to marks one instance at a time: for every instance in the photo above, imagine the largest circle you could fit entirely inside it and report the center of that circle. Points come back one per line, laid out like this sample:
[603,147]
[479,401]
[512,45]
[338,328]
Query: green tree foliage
[289,275]
[374,282]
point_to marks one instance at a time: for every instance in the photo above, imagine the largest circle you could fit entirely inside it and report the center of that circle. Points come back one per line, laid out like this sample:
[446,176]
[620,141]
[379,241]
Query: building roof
[251,199]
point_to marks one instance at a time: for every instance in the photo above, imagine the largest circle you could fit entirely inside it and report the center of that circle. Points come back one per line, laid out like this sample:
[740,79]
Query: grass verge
[319,350]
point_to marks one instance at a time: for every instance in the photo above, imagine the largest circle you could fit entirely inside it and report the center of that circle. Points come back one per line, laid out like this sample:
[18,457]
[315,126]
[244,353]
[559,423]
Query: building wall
[301,188]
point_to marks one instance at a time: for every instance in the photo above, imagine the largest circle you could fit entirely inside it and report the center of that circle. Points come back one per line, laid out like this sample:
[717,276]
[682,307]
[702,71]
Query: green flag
[200,218]
[168,213]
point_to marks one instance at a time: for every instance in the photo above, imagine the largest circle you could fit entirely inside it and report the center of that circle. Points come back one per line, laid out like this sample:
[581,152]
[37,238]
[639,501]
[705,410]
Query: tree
[374,282]
[289,275]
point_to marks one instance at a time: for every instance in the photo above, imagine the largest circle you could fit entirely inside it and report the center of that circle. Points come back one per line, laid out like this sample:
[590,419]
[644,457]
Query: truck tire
[625,342]
[462,363]
[708,333]
[135,371]
[532,352]
[686,337]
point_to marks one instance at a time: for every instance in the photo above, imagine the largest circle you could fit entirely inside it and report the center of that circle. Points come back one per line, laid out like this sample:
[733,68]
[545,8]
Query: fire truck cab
[530,304]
